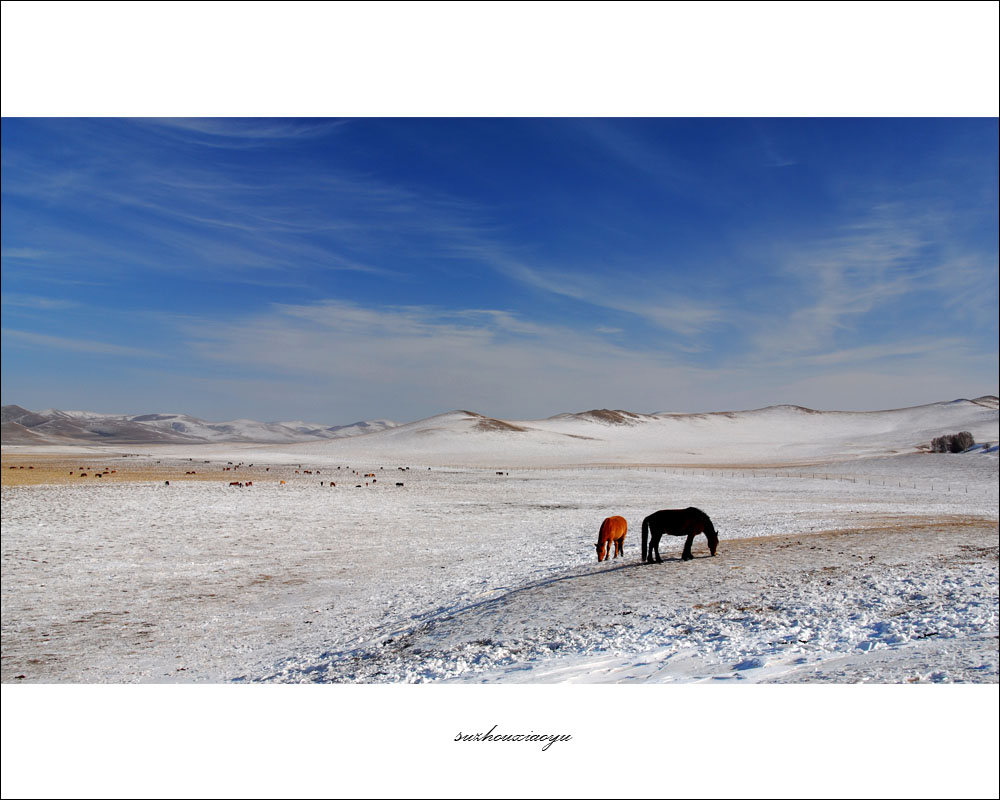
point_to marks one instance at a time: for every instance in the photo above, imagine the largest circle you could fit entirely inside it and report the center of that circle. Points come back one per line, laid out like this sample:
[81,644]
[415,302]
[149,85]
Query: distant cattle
[399,484]
[236,483]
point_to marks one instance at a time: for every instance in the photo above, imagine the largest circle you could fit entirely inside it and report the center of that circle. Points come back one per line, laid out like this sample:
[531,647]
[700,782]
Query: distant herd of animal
[689,522]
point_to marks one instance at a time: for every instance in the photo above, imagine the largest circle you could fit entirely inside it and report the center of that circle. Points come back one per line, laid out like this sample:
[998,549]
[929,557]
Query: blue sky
[342,269]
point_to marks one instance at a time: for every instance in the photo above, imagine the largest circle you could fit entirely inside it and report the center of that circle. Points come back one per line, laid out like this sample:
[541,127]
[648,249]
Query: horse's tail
[645,537]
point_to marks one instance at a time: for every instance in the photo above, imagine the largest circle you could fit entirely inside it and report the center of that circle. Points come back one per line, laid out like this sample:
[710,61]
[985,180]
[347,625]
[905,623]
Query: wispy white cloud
[17,300]
[241,132]
[482,358]
[82,344]
[772,156]
[965,286]
[832,286]
[494,361]
[880,352]
[27,253]
[202,220]
[614,289]
[621,146]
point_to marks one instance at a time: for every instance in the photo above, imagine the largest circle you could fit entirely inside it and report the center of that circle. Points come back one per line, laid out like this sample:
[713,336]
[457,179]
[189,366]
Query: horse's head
[601,550]
[713,539]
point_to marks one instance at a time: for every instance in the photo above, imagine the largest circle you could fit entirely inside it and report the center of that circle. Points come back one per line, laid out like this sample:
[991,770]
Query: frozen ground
[878,569]
[912,605]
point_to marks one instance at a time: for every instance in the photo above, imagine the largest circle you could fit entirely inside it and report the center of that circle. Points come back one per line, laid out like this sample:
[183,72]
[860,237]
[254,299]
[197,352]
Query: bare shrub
[952,443]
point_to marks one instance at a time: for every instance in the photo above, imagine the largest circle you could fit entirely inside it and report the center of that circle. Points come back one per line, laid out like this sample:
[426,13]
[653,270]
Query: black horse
[676,522]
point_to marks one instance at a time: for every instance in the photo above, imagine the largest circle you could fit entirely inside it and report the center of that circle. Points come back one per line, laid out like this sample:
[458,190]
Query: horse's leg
[654,547]
[687,547]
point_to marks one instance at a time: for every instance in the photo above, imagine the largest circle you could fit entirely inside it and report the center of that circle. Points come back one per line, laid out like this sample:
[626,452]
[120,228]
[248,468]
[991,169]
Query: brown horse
[676,522]
[612,531]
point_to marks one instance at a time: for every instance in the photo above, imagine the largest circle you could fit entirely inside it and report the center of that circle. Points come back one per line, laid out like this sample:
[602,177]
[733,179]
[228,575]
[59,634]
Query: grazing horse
[676,522]
[612,532]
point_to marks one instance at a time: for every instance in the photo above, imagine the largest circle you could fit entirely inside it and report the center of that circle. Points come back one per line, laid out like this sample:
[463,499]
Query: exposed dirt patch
[490,424]
[89,469]
[611,417]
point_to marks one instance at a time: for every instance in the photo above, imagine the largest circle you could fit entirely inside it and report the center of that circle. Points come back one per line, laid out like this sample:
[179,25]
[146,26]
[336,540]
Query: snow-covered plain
[846,556]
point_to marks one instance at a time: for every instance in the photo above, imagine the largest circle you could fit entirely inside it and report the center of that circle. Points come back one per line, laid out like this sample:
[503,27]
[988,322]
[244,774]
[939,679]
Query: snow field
[201,582]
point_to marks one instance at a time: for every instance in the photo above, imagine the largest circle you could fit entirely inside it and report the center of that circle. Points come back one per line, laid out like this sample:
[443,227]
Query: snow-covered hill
[776,434]
[53,426]
[784,434]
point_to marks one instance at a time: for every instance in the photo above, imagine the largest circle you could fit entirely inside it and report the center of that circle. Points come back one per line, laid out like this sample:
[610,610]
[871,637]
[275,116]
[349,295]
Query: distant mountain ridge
[779,434]
[464,432]
[52,426]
